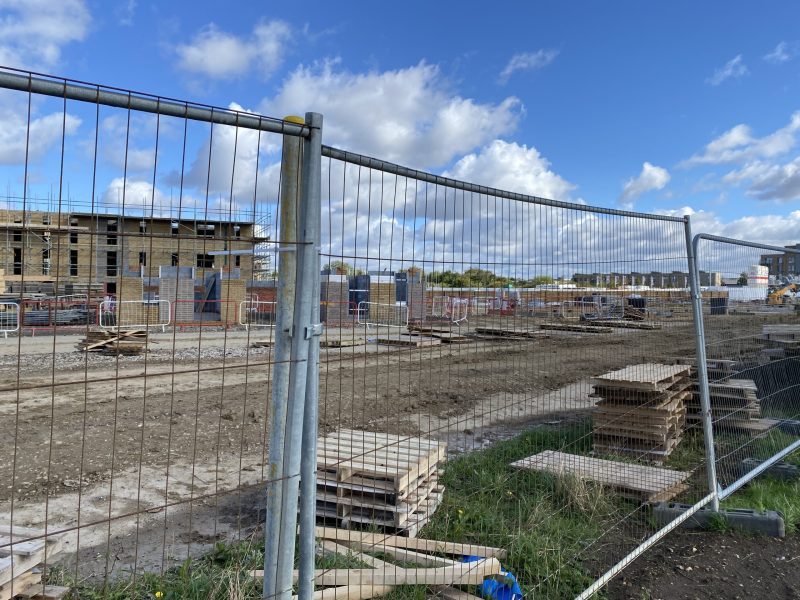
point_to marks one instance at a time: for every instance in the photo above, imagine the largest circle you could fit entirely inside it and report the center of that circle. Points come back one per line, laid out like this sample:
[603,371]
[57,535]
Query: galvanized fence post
[274,529]
[312,209]
[702,372]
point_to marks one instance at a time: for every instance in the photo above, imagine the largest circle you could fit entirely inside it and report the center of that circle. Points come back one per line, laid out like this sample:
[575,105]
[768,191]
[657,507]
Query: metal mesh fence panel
[134,406]
[753,375]
[534,408]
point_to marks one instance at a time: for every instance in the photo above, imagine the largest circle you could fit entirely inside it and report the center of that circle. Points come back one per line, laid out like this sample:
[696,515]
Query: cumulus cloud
[406,115]
[651,178]
[514,167]
[783,52]
[738,144]
[44,133]
[733,69]
[216,54]
[33,32]
[527,61]
[769,181]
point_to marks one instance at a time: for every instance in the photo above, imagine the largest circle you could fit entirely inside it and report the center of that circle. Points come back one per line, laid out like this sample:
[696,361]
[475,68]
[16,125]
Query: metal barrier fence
[9,318]
[257,313]
[533,403]
[751,340]
[375,314]
[513,393]
[133,453]
[135,314]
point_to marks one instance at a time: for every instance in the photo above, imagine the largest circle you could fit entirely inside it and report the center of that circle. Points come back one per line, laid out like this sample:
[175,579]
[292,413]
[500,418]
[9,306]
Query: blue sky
[676,107]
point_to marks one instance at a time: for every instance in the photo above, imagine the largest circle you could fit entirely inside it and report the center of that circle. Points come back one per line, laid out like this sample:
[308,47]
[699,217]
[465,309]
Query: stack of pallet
[734,401]
[377,480]
[129,342]
[781,340]
[382,290]
[642,410]
[23,553]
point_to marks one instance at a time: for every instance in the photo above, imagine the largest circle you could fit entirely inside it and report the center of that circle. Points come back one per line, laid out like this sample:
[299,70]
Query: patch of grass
[542,521]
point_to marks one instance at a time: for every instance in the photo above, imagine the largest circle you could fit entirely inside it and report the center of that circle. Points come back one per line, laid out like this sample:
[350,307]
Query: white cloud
[733,69]
[739,145]
[768,181]
[527,61]
[33,32]
[513,167]
[783,52]
[126,11]
[651,178]
[220,55]
[777,230]
[407,115]
[43,134]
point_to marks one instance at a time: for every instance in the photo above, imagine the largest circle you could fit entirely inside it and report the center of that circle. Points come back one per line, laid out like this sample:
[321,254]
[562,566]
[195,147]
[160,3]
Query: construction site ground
[98,439]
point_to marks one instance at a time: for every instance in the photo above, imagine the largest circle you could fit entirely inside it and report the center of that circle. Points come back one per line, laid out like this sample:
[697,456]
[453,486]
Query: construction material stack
[334,296]
[642,411]
[23,554]
[781,340]
[734,400]
[131,342]
[376,480]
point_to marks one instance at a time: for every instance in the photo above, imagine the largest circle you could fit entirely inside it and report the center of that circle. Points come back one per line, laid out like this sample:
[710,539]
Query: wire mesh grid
[503,396]
[752,364]
[507,384]
[135,404]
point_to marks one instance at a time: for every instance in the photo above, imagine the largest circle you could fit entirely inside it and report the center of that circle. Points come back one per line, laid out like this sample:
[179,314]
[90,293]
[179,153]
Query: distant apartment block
[782,264]
[83,250]
[653,279]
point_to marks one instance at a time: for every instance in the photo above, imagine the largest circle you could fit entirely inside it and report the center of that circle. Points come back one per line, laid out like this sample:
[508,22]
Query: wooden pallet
[649,484]
[502,332]
[20,574]
[114,342]
[625,324]
[648,376]
[416,341]
[334,342]
[348,511]
[435,327]
[450,338]
[781,332]
[574,327]
[378,480]
[396,461]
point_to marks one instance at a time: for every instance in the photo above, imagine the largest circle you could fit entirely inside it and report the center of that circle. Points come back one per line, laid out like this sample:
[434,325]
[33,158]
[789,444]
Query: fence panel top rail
[118,98]
[395,169]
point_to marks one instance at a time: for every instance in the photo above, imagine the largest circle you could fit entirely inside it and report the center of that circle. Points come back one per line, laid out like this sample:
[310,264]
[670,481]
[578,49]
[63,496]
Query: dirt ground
[150,459]
[712,566]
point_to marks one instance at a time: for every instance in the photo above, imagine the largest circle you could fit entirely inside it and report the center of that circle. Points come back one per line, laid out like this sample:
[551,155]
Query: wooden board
[574,327]
[472,573]
[648,376]
[646,482]
[624,324]
[421,545]
[402,339]
[509,332]
[450,338]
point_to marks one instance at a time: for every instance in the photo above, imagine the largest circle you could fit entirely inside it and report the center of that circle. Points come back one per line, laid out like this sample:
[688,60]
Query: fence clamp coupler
[314,330]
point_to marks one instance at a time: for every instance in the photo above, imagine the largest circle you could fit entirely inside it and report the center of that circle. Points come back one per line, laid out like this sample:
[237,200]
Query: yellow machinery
[783,295]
